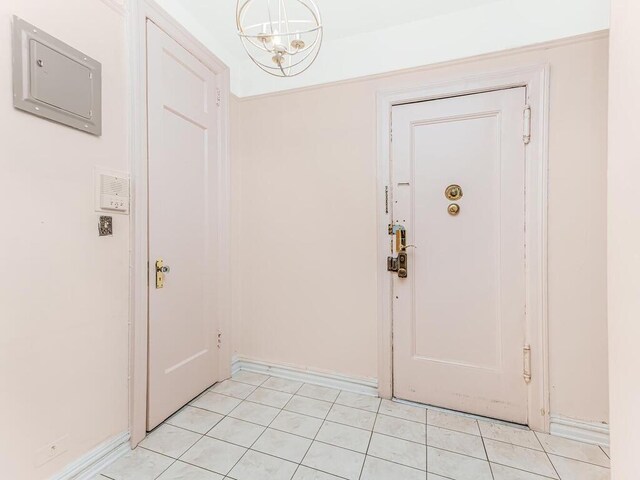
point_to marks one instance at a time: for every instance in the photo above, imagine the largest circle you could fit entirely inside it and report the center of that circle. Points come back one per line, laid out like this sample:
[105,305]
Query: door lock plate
[398,264]
[160,271]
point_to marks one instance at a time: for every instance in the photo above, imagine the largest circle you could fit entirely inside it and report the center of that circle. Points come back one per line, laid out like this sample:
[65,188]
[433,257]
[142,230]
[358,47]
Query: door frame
[535,79]
[139,11]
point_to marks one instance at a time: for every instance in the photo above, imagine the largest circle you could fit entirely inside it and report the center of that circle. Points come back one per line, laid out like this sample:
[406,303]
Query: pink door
[183,167]
[458,176]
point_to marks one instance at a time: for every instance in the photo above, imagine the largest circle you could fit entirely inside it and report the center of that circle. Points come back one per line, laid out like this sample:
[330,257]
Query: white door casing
[459,318]
[183,169]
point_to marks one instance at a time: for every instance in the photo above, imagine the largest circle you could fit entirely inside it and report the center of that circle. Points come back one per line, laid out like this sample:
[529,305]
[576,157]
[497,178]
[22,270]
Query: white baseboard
[89,465]
[587,432]
[366,386]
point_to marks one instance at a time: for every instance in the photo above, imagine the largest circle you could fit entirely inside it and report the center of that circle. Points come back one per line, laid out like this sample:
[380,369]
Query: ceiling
[366,37]
[341,18]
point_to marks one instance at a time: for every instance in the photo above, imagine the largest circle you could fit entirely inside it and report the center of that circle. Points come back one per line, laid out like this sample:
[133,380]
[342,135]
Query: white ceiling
[342,18]
[364,37]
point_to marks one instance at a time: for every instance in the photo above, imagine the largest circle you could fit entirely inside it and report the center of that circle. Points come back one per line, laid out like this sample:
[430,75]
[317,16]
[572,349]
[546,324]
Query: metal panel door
[458,173]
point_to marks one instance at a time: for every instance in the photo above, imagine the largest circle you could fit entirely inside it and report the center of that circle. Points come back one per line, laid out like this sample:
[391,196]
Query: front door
[458,179]
[183,167]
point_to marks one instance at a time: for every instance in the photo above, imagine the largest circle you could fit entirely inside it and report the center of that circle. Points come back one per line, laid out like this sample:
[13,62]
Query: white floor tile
[282,384]
[306,473]
[297,424]
[195,419]
[399,451]
[377,469]
[504,433]
[574,470]
[456,466]
[453,422]
[520,458]
[400,410]
[233,389]
[500,472]
[397,427]
[169,440]
[214,455]
[272,398]
[184,471]
[334,460]
[433,476]
[258,466]
[356,400]
[237,431]
[283,445]
[308,406]
[344,436]
[255,413]
[353,417]
[140,464]
[250,378]
[216,403]
[319,393]
[572,449]
[457,442]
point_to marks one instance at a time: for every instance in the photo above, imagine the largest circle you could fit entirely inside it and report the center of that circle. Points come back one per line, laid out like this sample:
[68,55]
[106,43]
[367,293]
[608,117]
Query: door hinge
[219,339]
[526,135]
[218,97]
[526,371]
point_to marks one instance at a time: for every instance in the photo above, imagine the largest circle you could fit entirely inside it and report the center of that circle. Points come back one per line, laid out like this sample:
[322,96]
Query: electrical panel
[53,80]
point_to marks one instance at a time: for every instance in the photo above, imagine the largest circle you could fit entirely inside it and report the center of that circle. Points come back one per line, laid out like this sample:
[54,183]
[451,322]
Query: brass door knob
[454,209]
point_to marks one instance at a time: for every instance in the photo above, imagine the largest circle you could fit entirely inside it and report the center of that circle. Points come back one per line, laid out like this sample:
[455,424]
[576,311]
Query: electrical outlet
[51,451]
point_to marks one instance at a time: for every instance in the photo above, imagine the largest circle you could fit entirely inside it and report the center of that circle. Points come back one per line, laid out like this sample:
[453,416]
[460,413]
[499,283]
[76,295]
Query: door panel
[459,319]
[182,173]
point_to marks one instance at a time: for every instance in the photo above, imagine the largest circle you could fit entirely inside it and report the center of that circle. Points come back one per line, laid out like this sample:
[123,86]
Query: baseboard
[89,465]
[587,432]
[366,386]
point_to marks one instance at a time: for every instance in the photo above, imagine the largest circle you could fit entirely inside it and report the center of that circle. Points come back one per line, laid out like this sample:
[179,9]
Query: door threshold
[462,414]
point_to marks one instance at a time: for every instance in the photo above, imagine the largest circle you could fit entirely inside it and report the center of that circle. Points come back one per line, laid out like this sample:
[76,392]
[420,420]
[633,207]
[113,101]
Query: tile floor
[255,427]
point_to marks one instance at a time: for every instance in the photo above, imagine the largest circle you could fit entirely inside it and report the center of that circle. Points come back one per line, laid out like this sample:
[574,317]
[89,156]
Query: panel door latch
[161,269]
[398,264]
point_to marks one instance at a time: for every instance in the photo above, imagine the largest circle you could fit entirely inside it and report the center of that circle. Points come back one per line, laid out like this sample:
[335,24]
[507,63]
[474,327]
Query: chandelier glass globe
[282,37]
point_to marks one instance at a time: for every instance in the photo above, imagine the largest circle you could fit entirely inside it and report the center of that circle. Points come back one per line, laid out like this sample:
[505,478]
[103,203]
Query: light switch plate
[54,80]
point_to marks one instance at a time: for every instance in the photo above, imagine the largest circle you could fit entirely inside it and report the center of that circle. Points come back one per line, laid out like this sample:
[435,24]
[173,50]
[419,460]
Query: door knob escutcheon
[453,192]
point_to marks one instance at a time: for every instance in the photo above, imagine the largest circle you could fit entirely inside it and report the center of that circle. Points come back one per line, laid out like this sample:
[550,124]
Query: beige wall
[63,290]
[305,205]
[624,239]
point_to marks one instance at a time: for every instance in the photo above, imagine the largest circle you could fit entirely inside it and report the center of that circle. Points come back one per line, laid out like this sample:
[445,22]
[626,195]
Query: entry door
[459,315]
[183,166]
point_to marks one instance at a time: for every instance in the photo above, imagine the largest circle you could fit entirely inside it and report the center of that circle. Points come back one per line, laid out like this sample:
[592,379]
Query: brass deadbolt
[454,209]
[453,192]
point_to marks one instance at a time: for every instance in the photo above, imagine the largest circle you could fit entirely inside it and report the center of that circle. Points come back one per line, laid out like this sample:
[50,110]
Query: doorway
[462,186]
[459,207]
[180,284]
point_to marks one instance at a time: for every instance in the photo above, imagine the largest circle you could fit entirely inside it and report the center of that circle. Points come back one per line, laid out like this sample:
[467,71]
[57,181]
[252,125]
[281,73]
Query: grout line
[316,435]
[486,454]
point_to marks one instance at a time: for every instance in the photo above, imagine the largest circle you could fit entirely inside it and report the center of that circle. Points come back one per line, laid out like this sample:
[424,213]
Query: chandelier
[282,37]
